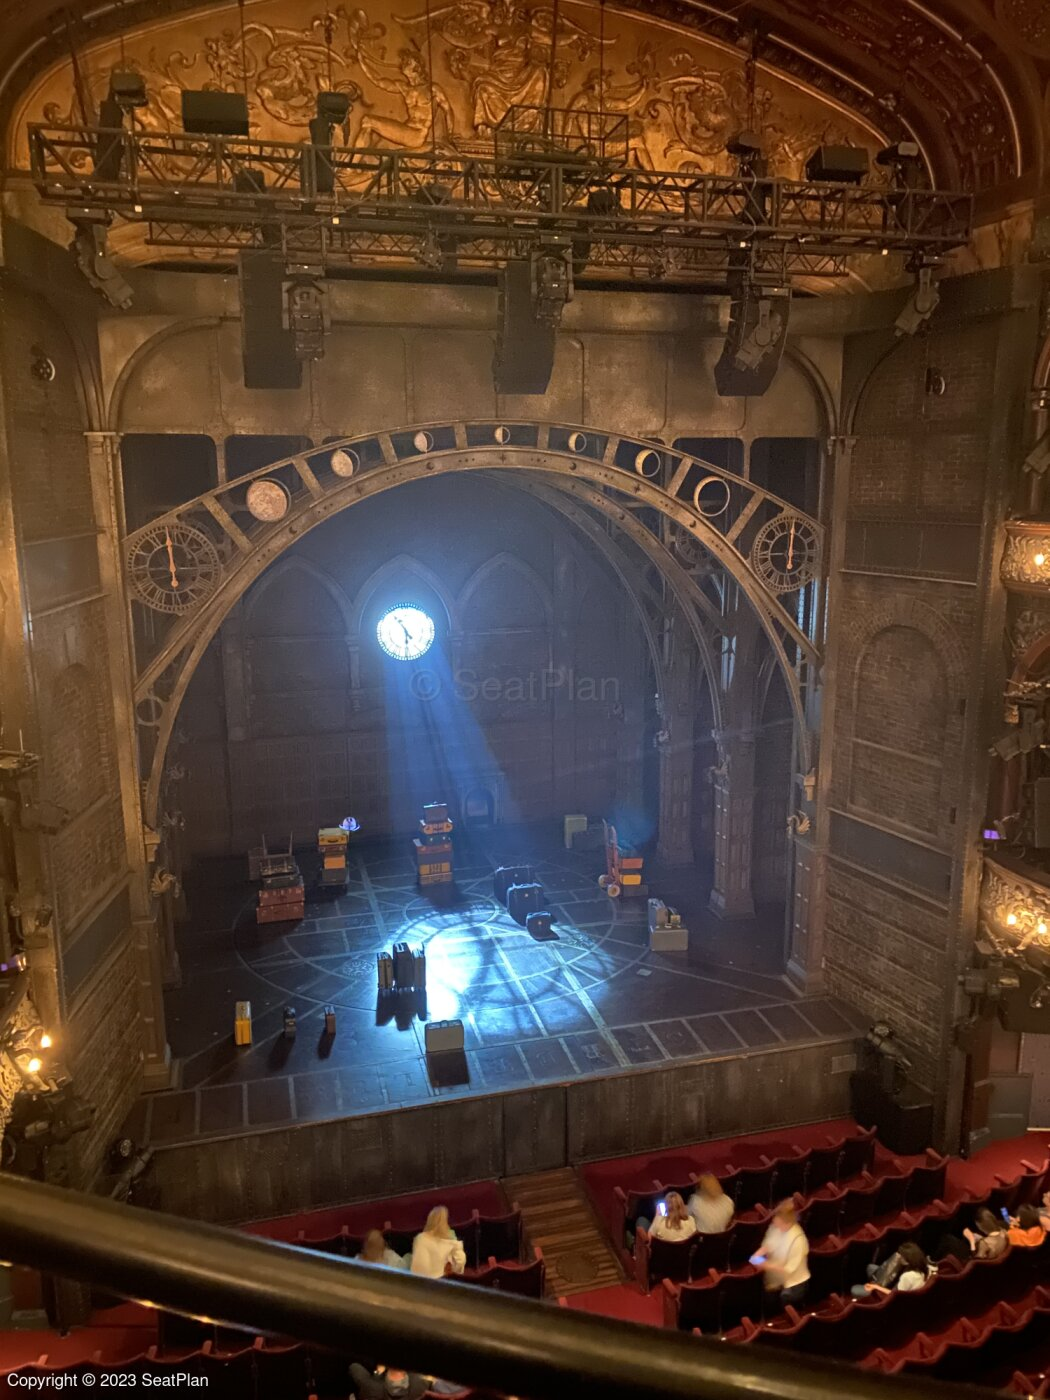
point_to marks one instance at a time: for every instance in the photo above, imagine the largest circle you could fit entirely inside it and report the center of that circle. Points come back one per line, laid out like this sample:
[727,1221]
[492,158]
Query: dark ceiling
[968,77]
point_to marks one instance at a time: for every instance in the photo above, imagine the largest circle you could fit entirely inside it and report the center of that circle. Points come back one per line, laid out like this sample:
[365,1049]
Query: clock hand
[791,548]
[171,559]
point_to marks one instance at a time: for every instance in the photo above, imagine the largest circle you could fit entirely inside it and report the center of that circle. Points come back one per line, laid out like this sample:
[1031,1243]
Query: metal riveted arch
[379,461]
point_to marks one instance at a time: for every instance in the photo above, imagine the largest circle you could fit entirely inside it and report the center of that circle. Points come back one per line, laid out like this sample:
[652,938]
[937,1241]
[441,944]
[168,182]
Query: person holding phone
[673,1221]
[1026,1228]
[987,1241]
[783,1256]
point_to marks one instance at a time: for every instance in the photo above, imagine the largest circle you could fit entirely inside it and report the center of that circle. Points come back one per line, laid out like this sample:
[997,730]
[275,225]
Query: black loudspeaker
[843,164]
[215,113]
[754,343]
[524,345]
[267,347]
[1041,813]
[1016,1012]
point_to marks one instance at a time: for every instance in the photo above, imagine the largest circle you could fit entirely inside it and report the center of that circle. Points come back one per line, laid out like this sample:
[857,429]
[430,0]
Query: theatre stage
[593,1003]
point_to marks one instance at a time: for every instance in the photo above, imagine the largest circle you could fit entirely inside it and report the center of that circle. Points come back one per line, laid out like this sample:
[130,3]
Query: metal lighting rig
[551,179]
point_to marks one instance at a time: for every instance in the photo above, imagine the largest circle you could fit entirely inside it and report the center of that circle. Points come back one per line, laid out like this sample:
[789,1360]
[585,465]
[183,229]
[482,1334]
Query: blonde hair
[677,1214]
[373,1249]
[786,1212]
[437,1224]
[709,1185]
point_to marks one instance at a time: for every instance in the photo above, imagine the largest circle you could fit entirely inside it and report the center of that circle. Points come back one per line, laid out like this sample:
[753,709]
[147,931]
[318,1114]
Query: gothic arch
[505,560]
[401,566]
[294,564]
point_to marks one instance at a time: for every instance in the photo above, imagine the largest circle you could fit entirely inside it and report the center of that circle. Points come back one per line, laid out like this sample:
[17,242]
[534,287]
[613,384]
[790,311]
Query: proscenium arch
[400,455]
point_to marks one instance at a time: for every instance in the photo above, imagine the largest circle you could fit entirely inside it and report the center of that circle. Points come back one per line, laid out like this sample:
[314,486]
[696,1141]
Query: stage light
[405,632]
[921,305]
[35,1065]
[45,1041]
[1011,919]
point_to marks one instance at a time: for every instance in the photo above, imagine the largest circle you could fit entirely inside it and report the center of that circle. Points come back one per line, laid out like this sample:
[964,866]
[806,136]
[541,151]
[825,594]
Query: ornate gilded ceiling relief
[452,83]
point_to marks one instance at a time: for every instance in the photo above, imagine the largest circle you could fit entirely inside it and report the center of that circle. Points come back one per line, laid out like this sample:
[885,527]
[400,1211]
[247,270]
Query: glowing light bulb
[1011,918]
[1040,560]
[1040,927]
[45,1041]
[35,1065]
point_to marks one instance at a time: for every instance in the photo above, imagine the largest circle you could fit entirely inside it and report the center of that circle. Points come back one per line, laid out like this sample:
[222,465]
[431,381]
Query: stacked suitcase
[281,899]
[403,970]
[433,846]
[332,844]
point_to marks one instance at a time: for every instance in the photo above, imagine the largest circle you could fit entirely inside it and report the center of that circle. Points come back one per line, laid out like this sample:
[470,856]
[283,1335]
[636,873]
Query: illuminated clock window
[405,633]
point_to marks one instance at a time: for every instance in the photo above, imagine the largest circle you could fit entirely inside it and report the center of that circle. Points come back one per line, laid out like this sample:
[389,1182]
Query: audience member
[904,1272]
[1027,1228]
[375,1250]
[435,1250]
[384,1384]
[988,1241]
[675,1222]
[710,1207]
[784,1256]
[1044,1210]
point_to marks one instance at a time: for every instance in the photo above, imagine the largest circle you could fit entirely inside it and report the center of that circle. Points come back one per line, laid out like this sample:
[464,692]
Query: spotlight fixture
[904,159]
[921,305]
[333,110]
[746,149]
[90,250]
[127,91]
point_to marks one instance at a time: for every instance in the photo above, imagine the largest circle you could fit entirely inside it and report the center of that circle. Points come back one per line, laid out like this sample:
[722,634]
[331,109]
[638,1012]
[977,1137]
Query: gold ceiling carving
[682,94]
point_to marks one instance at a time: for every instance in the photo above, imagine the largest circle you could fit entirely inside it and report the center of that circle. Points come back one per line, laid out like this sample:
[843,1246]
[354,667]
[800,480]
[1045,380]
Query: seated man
[384,1384]
[710,1207]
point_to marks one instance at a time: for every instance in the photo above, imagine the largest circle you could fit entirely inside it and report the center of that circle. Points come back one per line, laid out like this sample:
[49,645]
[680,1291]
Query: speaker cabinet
[207,113]
[524,345]
[754,343]
[267,346]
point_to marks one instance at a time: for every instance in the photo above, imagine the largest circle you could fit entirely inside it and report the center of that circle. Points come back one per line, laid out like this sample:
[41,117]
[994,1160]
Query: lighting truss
[390,207]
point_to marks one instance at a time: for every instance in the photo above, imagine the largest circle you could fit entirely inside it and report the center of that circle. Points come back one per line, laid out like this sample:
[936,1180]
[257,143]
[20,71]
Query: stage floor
[594,1002]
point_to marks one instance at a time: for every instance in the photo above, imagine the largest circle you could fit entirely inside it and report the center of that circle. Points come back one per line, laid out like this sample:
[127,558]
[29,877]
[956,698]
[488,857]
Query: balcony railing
[468,1335]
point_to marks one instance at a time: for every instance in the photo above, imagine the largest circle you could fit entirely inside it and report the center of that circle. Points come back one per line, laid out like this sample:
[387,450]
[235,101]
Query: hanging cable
[244,49]
[430,74]
[329,34]
[601,59]
[550,73]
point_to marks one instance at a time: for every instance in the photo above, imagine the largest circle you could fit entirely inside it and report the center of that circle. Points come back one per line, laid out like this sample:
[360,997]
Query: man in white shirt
[784,1256]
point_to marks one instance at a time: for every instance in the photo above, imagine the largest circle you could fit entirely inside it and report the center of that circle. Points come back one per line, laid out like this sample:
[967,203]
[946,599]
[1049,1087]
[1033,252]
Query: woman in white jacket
[435,1250]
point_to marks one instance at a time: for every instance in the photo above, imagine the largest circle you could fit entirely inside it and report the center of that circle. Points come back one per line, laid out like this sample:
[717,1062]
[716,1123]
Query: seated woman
[710,1207]
[1027,1228]
[904,1272]
[988,1241]
[783,1256]
[675,1222]
[435,1250]
[375,1250]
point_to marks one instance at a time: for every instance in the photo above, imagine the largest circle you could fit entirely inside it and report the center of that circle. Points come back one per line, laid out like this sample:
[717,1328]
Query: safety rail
[349,202]
[478,1338]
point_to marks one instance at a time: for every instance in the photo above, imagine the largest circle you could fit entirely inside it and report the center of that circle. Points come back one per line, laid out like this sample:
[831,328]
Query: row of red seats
[985,1355]
[483,1237]
[958,1293]
[261,1370]
[721,1301]
[1035,1387]
[804,1171]
[840,1211]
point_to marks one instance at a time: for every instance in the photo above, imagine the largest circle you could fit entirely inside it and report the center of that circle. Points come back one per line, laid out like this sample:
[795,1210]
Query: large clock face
[406,633]
[786,552]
